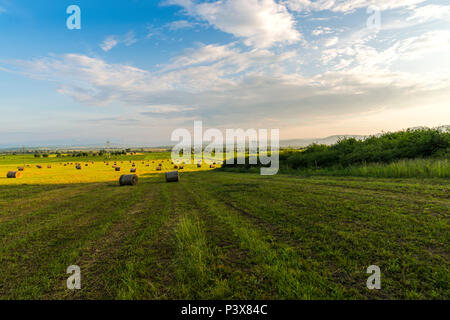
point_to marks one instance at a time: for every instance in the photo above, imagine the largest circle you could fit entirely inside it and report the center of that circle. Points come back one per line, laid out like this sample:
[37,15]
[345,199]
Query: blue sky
[136,70]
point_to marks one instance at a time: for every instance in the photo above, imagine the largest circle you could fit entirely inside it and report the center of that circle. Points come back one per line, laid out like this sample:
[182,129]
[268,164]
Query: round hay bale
[147,165]
[158,168]
[133,170]
[65,164]
[212,166]
[181,167]
[78,167]
[172,176]
[175,167]
[117,168]
[49,167]
[160,164]
[128,180]
[20,168]
[133,165]
[199,165]
[14,174]
[39,166]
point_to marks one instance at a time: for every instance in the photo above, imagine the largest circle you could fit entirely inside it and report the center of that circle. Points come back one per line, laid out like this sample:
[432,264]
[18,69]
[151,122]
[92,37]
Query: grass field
[220,235]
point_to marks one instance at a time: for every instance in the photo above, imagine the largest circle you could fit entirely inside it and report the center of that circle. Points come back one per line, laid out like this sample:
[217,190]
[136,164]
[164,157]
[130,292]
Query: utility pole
[107,149]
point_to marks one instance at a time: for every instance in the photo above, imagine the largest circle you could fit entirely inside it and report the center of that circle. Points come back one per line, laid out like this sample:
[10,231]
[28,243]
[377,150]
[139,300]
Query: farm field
[211,236]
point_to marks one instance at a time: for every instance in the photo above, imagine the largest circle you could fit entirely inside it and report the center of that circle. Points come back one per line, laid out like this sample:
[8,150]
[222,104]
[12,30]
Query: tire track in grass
[231,264]
[145,267]
[32,264]
[284,273]
[103,252]
[334,240]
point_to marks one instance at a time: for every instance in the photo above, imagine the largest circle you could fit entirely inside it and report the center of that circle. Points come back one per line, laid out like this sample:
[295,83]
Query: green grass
[417,168]
[413,168]
[222,235]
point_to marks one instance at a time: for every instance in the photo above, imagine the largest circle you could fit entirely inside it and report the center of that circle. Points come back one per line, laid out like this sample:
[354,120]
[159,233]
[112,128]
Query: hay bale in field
[158,168]
[147,165]
[172,176]
[212,166]
[199,165]
[117,168]
[160,165]
[20,168]
[39,166]
[133,170]
[175,167]
[133,165]
[86,165]
[181,167]
[49,167]
[14,174]
[128,180]
[78,167]
[65,164]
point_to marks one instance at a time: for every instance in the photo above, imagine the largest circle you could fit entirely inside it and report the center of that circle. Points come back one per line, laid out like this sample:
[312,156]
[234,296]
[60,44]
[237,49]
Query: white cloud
[180,24]
[331,42]
[112,41]
[228,86]
[109,43]
[322,30]
[430,12]
[347,5]
[408,49]
[260,23]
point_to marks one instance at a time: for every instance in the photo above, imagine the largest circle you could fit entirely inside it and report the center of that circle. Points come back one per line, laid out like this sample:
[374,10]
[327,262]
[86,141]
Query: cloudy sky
[138,69]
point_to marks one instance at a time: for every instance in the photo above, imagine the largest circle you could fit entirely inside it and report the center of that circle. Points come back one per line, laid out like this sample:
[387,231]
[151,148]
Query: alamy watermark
[374,281]
[74,281]
[74,20]
[374,20]
[235,146]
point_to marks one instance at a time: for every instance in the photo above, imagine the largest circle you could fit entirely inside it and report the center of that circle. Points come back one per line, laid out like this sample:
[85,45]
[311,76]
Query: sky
[138,69]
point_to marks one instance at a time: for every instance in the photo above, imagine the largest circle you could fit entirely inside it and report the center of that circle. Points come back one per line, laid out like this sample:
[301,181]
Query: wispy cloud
[112,41]
[347,5]
[180,24]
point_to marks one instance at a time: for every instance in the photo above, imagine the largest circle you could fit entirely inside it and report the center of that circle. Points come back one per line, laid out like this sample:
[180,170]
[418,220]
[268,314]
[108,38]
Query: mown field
[221,235]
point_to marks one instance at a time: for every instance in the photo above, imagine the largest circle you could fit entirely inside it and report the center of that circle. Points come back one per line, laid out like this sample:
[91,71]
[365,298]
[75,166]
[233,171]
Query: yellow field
[93,172]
